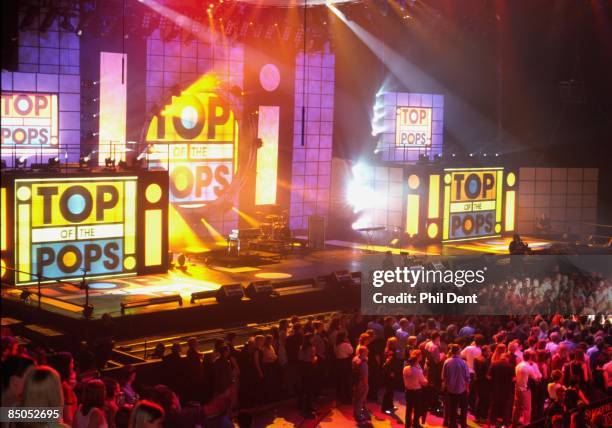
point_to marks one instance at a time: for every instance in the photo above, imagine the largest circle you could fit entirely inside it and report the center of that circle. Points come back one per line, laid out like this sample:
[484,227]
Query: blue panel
[69,69]
[49,69]
[472,224]
[24,82]
[47,82]
[50,56]
[49,39]
[70,83]
[69,102]
[69,120]
[105,257]
[7,80]
[69,41]
[28,55]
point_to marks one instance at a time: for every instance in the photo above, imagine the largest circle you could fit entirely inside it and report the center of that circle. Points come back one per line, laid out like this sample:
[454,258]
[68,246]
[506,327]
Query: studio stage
[294,274]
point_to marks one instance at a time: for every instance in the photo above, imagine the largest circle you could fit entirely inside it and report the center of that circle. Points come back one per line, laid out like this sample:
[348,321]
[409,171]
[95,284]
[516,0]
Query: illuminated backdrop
[407,125]
[49,64]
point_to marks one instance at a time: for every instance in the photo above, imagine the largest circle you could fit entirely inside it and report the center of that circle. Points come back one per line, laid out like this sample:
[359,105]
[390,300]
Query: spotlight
[21,161]
[471,155]
[496,155]
[109,162]
[54,162]
[88,83]
[85,161]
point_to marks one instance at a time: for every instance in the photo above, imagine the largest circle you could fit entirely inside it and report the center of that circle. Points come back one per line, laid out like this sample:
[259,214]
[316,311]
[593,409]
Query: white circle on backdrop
[269,77]
[23,104]
[189,117]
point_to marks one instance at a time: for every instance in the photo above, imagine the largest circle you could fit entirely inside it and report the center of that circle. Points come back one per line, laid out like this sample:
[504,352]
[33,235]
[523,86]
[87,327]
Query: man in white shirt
[525,370]
[469,354]
[414,381]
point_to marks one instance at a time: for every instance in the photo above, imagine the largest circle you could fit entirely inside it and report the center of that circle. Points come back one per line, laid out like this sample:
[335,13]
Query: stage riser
[192,317]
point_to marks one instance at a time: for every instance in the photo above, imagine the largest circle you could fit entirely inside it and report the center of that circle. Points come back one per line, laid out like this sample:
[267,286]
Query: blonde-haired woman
[146,414]
[42,388]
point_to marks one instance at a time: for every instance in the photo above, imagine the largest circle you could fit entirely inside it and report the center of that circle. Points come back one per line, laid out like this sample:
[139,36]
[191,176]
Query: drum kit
[273,234]
[275,227]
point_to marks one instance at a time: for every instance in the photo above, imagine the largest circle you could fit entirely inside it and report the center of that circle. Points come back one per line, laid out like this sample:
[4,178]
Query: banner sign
[413,127]
[472,203]
[195,138]
[29,120]
[68,227]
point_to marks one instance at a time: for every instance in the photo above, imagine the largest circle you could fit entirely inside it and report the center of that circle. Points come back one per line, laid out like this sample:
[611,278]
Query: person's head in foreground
[146,414]
[42,388]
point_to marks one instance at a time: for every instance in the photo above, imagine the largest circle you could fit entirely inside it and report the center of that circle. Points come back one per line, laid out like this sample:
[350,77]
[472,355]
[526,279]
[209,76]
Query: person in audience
[91,413]
[527,374]
[392,370]
[360,384]
[414,381]
[64,364]
[456,379]
[112,392]
[42,388]
[307,358]
[146,414]
[15,369]
[343,352]
[127,377]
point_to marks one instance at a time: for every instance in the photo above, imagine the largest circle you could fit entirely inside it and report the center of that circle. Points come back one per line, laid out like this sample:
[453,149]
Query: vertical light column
[4,228]
[113,106]
[267,155]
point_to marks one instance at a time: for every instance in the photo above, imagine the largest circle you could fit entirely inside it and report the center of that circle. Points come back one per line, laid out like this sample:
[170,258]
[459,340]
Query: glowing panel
[130,218]
[412,215]
[113,106]
[413,127]
[267,155]
[472,203]
[434,197]
[67,225]
[195,138]
[500,183]
[23,243]
[152,236]
[3,220]
[29,120]
[510,210]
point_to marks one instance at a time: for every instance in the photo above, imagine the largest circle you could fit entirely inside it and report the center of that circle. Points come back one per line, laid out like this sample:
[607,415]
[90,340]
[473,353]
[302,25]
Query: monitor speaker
[230,293]
[316,232]
[259,290]
[342,278]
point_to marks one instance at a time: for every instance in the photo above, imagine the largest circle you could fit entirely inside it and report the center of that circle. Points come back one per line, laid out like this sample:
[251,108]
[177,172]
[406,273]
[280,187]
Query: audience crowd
[504,370]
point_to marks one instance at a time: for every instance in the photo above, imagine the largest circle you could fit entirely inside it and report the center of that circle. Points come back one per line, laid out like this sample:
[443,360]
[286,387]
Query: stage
[298,279]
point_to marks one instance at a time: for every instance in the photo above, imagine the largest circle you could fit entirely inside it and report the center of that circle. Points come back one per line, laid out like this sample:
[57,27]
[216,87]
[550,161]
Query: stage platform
[63,304]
